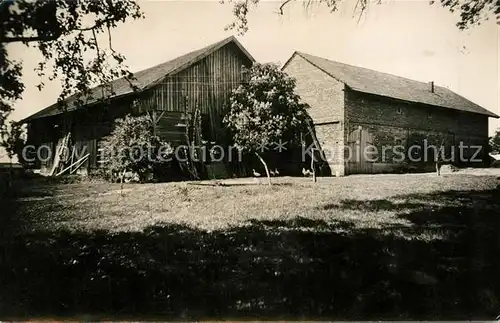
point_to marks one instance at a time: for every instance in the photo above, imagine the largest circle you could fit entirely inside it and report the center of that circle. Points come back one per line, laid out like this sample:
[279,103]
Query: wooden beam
[79,162]
[158,118]
[62,144]
[72,157]
[315,140]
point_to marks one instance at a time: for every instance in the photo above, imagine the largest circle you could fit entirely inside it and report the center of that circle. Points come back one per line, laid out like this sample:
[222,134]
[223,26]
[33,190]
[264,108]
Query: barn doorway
[359,152]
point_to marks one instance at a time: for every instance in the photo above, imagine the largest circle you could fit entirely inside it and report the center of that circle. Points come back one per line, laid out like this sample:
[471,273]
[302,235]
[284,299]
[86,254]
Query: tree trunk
[312,166]
[438,158]
[121,182]
[265,166]
[10,172]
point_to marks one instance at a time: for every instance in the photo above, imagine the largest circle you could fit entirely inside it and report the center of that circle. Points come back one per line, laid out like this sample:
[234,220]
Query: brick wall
[325,97]
[368,108]
[391,122]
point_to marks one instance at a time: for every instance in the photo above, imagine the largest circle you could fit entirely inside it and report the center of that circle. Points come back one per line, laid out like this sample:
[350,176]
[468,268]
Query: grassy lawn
[358,247]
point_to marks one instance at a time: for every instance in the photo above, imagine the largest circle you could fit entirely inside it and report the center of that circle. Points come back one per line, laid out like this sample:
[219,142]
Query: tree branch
[98,58]
[109,38]
[6,39]
[97,25]
[283,5]
[25,39]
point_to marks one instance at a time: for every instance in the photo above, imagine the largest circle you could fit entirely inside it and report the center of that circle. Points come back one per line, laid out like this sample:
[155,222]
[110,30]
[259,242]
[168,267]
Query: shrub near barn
[265,113]
[134,147]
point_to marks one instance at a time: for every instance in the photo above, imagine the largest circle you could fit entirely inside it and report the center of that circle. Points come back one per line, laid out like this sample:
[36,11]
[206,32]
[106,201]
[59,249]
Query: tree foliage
[133,146]
[495,142]
[66,33]
[264,110]
[12,139]
[471,12]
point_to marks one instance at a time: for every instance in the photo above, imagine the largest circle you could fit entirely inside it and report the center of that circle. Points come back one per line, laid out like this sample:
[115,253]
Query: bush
[134,147]
[264,111]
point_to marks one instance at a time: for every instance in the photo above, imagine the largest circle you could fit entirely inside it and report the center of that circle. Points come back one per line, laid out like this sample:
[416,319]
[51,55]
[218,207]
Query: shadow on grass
[13,205]
[370,205]
[223,184]
[229,184]
[297,269]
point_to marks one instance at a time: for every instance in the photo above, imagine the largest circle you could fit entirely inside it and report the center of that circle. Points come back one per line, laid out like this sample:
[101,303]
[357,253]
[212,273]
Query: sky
[408,38]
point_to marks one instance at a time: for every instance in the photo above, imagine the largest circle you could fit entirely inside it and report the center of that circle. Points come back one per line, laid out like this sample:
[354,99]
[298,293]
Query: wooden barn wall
[87,126]
[206,84]
[170,126]
[43,132]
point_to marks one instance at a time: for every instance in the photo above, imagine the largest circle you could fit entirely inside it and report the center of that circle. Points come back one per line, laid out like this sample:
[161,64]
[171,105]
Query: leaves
[495,142]
[63,31]
[264,109]
[12,139]
[133,146]
[472,12]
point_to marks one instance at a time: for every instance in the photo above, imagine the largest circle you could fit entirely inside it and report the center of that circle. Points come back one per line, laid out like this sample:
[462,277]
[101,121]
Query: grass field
[358,247]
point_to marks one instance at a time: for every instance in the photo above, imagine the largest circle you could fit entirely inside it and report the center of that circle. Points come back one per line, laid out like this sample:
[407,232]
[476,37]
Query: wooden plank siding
[170,127]
[206,83]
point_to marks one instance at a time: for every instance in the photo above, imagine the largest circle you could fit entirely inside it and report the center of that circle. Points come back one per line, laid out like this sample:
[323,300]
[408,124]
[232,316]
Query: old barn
[368,121]
[203,78]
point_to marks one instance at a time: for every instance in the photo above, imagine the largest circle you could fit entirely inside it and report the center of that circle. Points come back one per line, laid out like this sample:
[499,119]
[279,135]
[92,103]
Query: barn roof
[143,79]
[373,82]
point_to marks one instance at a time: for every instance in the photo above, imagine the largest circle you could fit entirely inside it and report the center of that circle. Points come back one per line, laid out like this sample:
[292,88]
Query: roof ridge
[171,59]
[376,82]
[203,50]
[366,68]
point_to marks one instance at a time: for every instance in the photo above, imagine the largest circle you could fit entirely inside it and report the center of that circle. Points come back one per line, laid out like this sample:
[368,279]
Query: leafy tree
[65,32]
[12,139]
[134,146]
[13,142]
[472,12]
[495,142]
[264,111]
